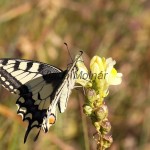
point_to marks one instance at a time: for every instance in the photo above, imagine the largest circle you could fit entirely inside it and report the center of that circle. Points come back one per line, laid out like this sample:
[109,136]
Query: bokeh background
[119,29]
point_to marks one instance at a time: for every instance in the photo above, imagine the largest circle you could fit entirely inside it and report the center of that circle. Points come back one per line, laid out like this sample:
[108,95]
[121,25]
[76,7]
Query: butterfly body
[41,88]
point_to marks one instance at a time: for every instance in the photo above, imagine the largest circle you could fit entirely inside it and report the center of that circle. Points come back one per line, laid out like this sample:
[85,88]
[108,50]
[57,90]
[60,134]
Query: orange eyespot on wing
[52,119]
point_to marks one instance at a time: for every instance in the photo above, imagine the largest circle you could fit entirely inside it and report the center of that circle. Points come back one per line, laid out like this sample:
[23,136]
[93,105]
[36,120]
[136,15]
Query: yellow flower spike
[103,74]
[106,74]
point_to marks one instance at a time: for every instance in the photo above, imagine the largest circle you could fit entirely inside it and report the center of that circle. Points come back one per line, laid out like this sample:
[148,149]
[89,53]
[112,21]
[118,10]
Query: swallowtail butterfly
[41,88]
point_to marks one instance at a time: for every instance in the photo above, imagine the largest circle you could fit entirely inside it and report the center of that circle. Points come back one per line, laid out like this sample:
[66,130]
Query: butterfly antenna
[68,51]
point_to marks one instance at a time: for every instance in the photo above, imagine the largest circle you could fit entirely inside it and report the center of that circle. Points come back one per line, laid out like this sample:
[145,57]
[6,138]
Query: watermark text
[93,76]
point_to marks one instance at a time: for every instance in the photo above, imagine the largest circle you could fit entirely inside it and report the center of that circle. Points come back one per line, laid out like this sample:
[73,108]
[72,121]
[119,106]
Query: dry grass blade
[15,12]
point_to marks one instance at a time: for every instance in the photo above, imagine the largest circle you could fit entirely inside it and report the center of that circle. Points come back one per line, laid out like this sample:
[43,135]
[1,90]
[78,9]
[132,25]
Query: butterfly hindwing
[32,104]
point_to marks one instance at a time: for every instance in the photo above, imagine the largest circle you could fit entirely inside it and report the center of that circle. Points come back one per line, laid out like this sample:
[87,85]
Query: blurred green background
[119,29]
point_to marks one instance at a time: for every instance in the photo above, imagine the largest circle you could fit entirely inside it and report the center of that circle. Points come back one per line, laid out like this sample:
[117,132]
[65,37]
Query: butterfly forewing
[61,96]
[16,72]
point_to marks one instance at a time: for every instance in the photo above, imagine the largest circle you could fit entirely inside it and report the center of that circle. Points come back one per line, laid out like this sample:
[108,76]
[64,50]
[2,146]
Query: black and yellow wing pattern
[41,88]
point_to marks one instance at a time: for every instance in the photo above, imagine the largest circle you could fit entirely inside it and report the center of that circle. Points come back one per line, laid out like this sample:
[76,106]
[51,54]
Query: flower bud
[97,125]
[87,110]
[107,141]
[102,112]
[105,127]
[91,95]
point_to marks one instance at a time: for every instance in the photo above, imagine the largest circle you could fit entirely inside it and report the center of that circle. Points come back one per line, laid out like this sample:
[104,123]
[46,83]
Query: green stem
[84,125]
